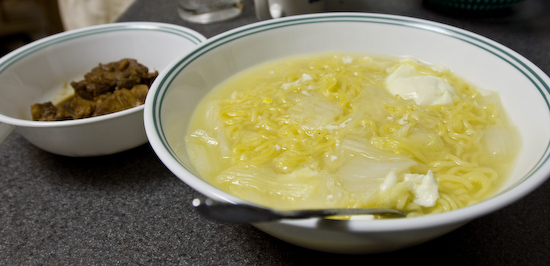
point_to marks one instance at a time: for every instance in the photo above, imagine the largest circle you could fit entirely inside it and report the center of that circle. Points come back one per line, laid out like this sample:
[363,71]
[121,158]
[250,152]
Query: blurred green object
[471,7]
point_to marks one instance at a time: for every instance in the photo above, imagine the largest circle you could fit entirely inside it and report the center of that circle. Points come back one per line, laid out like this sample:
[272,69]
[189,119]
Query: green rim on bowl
[115,27]
[20,54]
[534,75]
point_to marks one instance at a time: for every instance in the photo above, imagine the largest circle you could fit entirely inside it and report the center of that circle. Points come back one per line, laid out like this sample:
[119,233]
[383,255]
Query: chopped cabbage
[324,131]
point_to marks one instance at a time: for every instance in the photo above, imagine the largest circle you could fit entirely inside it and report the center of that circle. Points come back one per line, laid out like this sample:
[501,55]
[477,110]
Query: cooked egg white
[407,82]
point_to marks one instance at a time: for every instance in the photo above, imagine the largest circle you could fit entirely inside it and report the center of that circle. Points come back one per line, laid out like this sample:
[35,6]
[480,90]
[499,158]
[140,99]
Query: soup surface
[352,130]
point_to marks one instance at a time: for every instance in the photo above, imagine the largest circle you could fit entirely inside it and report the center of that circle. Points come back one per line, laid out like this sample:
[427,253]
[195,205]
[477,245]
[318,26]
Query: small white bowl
[523,88]
[36,72]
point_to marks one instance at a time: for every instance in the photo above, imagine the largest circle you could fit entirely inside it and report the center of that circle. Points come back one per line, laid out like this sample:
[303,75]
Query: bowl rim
[32,48]
[531,181]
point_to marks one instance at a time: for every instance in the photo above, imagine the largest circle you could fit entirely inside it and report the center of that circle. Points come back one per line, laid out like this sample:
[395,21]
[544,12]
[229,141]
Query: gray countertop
[129,209]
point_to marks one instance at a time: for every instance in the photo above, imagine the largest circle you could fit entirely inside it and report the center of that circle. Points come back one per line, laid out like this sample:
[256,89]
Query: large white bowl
[36,73]
[523,87]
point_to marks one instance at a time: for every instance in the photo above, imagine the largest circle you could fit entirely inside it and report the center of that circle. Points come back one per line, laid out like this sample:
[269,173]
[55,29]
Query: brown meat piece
[75,108]
[125,73]
[108,88]
[121,99]
[43,111]
[69,109]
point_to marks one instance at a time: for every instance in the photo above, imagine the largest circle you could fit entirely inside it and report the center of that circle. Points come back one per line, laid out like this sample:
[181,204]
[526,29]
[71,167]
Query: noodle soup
[339,130]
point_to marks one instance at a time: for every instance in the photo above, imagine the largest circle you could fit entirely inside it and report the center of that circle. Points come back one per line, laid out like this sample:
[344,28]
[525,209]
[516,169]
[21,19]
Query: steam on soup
[350,130]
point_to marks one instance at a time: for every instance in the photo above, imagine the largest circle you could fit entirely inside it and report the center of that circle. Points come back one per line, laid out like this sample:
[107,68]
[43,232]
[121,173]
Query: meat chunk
[121,99]
[123,74]
[108,88]
[43,111]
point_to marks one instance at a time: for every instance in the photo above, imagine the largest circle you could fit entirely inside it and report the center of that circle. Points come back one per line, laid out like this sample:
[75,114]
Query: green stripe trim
[120,27]
[471,38]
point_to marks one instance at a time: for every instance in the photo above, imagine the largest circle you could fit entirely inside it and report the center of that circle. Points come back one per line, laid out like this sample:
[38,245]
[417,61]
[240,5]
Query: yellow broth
[323,131]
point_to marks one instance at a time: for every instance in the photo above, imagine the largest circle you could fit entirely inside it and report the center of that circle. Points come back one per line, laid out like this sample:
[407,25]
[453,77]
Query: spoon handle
[235,213]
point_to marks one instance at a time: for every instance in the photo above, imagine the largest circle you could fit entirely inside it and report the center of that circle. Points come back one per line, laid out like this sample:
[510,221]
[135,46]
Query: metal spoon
[234,213]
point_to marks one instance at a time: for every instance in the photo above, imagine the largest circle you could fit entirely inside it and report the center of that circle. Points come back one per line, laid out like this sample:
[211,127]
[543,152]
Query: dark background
[129,209]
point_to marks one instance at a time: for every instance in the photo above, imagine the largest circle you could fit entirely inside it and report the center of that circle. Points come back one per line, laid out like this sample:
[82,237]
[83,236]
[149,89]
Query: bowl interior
[37,72]
[523,87]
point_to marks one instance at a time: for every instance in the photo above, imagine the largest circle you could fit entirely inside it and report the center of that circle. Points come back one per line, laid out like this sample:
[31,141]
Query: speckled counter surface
[128,209]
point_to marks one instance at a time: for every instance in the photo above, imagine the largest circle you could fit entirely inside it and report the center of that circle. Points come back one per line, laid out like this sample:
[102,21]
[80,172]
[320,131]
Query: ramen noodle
[351,130]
